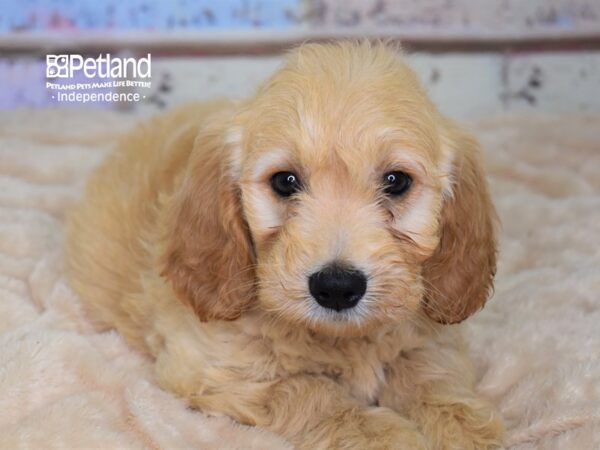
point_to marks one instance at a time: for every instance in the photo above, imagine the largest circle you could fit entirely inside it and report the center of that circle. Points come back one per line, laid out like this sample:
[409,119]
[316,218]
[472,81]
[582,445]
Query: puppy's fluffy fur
[182,245]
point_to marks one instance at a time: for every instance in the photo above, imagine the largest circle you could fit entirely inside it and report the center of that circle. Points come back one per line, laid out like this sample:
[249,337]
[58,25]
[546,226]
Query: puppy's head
[337,199]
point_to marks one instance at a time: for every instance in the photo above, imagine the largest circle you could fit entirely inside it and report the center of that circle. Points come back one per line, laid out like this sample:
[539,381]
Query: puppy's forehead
[357,106]
[346,132]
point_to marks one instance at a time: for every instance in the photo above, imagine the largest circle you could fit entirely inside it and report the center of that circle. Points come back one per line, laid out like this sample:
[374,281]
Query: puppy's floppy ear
[207,253]
[459,275]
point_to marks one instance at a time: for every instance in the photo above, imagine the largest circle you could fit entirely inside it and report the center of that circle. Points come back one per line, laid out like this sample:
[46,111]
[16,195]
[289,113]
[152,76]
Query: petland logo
[102,80]
[104,66]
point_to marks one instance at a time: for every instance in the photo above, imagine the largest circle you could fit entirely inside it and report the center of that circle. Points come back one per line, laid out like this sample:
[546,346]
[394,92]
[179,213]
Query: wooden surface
[504,70]
[267,26]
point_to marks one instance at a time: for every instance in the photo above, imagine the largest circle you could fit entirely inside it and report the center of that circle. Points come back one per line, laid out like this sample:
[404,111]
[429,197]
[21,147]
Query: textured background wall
[463,85]
[498,55]
[25,16]
[479,19]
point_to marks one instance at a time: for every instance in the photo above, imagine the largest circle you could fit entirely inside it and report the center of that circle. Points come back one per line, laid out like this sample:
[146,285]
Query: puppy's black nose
[337,287]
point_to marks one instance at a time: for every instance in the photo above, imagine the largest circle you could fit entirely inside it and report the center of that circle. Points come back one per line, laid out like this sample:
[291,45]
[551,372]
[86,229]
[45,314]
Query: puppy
[293,261]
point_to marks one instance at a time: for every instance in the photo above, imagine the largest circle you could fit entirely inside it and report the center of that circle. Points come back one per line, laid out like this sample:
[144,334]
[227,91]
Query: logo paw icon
[57,66]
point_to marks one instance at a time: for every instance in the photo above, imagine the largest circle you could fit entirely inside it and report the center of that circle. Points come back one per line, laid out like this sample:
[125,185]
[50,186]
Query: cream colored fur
[169,247]
[546,387]
[62,384]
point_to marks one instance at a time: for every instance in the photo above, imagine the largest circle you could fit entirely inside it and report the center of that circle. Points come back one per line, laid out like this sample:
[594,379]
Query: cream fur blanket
[536,345]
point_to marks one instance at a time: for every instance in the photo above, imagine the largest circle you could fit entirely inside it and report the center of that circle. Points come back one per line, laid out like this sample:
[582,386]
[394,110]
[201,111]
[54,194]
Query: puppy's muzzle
[337,287]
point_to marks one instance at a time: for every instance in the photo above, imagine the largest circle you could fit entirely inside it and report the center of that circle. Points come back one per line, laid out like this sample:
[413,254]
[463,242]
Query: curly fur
[182,246]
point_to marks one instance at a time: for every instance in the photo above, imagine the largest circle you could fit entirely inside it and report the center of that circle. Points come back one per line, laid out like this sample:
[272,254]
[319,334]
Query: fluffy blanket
[536,345]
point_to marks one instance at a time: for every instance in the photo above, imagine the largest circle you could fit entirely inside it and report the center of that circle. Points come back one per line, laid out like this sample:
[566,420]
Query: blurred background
[476,57]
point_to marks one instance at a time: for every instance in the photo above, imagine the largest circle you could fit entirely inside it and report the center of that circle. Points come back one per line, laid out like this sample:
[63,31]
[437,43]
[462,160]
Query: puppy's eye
[285,183]
[396,183]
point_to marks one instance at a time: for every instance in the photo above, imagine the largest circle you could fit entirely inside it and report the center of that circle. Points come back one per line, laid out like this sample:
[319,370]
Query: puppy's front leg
[434,386]
[311,411]
[314,412]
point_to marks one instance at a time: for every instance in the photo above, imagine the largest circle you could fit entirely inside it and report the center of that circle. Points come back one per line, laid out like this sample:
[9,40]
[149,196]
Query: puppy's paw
[372,429]
[472,425]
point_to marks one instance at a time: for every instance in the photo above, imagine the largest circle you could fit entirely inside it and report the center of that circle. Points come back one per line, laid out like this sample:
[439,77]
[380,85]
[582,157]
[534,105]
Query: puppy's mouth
[355,314]
[355,321]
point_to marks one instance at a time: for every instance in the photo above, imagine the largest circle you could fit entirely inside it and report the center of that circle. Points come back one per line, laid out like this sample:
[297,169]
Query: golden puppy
[291,260]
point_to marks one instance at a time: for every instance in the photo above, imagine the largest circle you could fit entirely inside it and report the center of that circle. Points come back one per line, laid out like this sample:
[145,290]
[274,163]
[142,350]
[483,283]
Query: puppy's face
[343,176]
[345,201]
